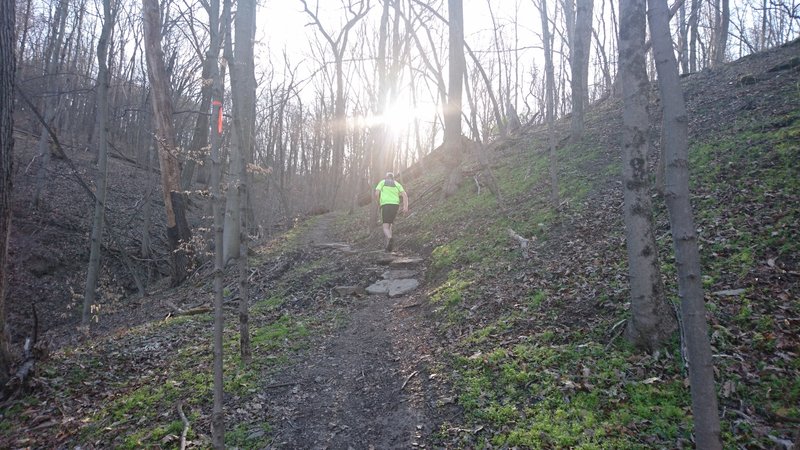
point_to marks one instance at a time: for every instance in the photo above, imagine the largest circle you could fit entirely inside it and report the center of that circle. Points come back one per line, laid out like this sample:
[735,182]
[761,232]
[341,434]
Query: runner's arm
[405,201]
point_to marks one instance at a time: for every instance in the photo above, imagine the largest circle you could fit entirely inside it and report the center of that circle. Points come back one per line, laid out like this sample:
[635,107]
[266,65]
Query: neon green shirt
[390,195]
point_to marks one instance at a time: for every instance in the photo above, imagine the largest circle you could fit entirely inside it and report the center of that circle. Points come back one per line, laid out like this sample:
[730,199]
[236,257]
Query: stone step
[393,287]
[396,274]
[405,262]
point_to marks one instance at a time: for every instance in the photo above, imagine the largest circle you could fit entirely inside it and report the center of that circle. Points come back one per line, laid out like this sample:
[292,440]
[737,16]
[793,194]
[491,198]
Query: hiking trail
[366,385]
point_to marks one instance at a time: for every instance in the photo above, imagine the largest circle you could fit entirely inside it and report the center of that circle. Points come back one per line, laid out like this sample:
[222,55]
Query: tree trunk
[687,255]
[378,143]
[693,19]
[147,208]
[579,62]
[217,95]
[723,17]
[51,107]
[549,92]
[683,41]
[452,115]
[501,126]
[201,129]
[102,163]
[244,104]
[174,201]
[652,320]
[25,19]
[7,72]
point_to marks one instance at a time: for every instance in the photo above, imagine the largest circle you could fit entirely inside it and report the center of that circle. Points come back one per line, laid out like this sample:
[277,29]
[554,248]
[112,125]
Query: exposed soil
[366,385]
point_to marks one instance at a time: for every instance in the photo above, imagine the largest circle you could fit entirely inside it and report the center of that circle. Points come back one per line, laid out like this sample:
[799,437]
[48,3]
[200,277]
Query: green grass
[144,406]
[536,395]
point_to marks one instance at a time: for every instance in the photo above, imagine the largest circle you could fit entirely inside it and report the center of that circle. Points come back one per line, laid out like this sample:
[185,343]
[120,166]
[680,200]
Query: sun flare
[398,116]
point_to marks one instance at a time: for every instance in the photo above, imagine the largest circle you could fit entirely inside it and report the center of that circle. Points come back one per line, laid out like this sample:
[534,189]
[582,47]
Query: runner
[387,194]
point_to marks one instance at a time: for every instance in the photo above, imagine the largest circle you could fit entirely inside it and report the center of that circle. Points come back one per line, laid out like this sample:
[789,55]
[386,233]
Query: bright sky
[283,24]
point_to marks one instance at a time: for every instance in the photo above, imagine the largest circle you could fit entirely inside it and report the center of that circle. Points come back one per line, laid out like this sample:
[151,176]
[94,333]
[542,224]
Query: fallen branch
[523,243]
[193,311]
[617,334]
[408,378]
[25,370]
[185,425]
[196,311]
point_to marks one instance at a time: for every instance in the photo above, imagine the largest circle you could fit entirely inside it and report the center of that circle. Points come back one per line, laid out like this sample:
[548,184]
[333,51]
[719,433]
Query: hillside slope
[497,348]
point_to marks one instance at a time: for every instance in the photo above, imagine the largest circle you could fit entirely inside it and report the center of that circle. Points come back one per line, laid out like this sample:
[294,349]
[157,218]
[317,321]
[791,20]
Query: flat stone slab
[394,288]
[400,287]
[379,287]
[397,274]
[405,262]
[344,291]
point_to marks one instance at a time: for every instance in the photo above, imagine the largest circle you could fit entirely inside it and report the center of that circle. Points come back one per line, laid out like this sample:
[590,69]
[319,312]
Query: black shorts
[389,212]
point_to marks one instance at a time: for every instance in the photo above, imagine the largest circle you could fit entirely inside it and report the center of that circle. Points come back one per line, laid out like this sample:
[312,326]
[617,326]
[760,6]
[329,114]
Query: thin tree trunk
[217,412]
[201,129]
[147,209]
[24,39]
[579,59]
[652,320]
[721,32]
[453,110]
[50,103]
[500,123]
[377,133]
[244,118]
[102,163]
[7,71]
[693,19]
[683,35]
[684,235]
[549,103]
[174,203]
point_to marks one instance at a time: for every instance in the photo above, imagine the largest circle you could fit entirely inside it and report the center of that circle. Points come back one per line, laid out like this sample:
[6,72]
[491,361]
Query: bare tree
[694,14]
[98,220]
[579,62]
[549,89]
[243,90]
[452,114]
[652,320]
[217,413]
[338,47]
[51,102]
[178,231]
[7,70]
[684,234]
[722,15]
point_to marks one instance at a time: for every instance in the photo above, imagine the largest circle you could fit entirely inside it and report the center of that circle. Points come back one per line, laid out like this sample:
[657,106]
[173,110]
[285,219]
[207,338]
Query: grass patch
[536,395]
[144,414]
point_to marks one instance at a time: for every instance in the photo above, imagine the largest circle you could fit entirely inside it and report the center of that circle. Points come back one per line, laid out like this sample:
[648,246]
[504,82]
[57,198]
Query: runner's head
[390,175]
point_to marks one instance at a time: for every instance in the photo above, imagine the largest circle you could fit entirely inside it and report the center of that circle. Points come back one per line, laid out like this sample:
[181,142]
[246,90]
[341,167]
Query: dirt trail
[365,386]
